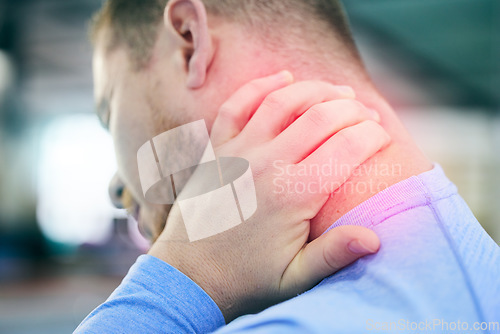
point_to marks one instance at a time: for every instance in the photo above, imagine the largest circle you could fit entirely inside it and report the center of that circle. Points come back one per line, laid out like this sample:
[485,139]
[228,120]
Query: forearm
[155,298]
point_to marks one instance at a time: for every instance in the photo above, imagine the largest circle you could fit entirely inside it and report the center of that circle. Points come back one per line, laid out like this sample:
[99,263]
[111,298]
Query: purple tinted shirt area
[437,271]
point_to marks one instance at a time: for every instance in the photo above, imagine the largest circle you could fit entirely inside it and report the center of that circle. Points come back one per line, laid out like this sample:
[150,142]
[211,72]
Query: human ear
[187,21]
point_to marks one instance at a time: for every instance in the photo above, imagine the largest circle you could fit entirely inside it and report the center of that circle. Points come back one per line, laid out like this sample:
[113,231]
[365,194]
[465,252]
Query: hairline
[140,57]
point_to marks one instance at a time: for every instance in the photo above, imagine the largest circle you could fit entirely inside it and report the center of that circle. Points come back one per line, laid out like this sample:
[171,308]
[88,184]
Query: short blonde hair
[134,24]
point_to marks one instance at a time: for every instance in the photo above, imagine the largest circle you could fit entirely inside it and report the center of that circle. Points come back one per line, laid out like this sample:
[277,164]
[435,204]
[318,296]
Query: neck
[400,160]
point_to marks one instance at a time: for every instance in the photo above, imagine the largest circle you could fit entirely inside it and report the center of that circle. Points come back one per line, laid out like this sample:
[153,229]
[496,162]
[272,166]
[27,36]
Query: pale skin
[186,88]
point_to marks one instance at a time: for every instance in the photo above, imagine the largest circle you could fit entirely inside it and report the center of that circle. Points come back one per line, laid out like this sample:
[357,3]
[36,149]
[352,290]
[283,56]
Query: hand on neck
[401,160]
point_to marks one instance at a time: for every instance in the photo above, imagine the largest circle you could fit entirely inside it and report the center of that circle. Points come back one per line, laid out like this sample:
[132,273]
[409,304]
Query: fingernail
[375,114]
[285,76]
[347,91]
[357,247]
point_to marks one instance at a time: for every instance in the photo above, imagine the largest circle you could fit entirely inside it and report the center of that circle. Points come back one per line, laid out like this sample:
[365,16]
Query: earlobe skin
[187,20]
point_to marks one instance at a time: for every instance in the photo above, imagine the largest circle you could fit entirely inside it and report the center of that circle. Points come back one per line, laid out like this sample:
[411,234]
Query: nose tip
[115,190]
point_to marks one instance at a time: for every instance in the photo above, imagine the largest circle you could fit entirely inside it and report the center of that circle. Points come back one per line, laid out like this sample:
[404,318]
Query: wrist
[202,271]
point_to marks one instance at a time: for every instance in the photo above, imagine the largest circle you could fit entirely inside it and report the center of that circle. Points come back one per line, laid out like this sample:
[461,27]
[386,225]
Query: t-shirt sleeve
[154,297]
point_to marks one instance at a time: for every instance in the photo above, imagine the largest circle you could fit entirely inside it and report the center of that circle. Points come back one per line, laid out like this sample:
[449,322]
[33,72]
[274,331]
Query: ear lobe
[187,20]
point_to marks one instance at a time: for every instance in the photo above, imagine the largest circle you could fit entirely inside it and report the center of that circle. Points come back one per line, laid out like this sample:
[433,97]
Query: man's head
[135,24]
[159,65]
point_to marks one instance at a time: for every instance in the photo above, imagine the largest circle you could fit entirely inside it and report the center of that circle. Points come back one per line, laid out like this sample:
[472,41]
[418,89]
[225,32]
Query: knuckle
[227,113]
[317,116]
[275,101]
[349,141]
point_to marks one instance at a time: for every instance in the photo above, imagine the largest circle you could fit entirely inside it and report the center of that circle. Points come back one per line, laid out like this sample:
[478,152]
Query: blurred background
[63,248]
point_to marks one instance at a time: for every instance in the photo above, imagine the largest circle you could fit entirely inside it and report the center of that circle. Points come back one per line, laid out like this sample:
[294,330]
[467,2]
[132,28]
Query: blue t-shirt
[437,271]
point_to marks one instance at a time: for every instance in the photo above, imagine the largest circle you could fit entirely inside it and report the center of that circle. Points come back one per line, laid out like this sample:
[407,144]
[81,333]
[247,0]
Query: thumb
[326,255]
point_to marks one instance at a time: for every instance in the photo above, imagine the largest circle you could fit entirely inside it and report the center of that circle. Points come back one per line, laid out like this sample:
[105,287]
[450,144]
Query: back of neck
[399,161]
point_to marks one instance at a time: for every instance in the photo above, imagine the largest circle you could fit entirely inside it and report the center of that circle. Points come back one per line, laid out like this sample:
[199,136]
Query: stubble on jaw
[156,216]
[153,217]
